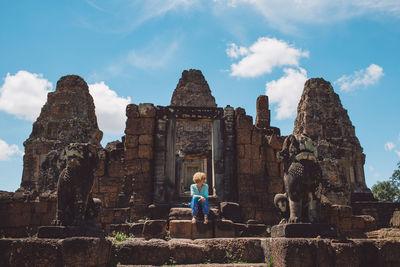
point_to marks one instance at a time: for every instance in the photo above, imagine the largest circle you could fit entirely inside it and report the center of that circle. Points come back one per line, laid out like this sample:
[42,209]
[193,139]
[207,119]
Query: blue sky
[135,51]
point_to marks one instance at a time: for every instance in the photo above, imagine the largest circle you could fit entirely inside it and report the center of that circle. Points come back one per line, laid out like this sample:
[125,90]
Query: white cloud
[234,51]
[361,78]
[262,56]
[389,146]
[7,151]
[397,152]
[110,108]
[24,94]
[287,91]
[286,15]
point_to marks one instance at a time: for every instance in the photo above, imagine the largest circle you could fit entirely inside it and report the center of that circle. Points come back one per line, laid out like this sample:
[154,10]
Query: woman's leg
[194,205]
[205,206]
[206,210]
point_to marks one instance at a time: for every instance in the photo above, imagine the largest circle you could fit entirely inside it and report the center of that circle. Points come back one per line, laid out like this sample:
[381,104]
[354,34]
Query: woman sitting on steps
[199,193]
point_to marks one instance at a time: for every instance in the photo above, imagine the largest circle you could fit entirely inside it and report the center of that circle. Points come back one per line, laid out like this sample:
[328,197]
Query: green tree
[388,190]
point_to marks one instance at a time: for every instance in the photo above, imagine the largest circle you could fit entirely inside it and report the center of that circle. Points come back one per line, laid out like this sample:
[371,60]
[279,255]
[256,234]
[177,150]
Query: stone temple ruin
[143,180]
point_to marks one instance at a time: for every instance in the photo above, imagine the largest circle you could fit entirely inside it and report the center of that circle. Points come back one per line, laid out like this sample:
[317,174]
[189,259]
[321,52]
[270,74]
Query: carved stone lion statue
[75,205]
[302,178]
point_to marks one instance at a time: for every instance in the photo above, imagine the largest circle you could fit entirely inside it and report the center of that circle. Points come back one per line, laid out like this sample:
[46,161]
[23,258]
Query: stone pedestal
[69,231]
[306,230]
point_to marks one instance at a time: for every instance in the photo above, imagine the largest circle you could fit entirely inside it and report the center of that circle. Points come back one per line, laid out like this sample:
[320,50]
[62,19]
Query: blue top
[195,191]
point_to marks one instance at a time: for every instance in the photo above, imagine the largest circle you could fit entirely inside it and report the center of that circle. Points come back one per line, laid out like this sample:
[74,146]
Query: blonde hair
[198,176]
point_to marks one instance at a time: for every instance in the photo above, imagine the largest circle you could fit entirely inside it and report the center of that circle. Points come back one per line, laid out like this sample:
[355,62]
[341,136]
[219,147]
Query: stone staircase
[224,222]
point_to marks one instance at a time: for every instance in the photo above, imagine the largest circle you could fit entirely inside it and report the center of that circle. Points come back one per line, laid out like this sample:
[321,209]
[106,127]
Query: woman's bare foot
[205,219]
[194,219]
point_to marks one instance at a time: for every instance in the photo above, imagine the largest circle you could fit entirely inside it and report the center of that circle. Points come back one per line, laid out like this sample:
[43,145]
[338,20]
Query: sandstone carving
[282,203]
[302,178]
[75,205]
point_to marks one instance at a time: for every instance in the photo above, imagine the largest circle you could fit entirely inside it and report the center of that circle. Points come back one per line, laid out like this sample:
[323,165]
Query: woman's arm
[204,191]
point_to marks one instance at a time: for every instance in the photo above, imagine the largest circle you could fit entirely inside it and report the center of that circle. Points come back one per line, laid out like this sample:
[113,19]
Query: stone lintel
[189,113]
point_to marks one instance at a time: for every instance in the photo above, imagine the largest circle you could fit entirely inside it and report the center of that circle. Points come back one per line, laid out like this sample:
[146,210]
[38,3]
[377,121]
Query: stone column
[218,160]
[170,152]
[229,155]
[263,118]
[160,160]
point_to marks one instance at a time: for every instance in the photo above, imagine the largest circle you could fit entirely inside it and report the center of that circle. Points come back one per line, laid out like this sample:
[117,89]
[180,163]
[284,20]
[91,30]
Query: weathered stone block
[275,185]
[244,166]
[200,230]
[34,252]
[241,151]
[342,211]
[256,229]
[85,251]
[136,229]
[243,136]
[147,110]
[141,252]
[186,252]
[303,230]
[230,211]
[248,151]
[180,214]
[273,169]
[344,254]
[257,167]
[256,137]
[132,111]
[115,169]
[244,122]
[131,141]
[224,228]
[180,229]
[131,153]
[154,229]
[247,212]
[146,139]
[357,223]
[140,126]
[145,152]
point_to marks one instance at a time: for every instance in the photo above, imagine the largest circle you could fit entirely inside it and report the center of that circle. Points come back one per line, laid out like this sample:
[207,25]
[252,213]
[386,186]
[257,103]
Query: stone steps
[282,252]
[179,224]
[208,265]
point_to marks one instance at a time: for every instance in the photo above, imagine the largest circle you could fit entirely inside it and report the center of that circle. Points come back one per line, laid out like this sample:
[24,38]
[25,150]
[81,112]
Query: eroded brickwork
[139,141]
[259,174]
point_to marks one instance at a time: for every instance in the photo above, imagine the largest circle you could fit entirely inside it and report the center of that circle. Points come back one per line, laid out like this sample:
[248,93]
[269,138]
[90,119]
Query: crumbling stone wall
[259,174]
[21,215]
[139,143]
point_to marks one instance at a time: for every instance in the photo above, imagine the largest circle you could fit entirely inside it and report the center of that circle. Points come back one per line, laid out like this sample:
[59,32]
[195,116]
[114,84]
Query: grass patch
[120,237]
